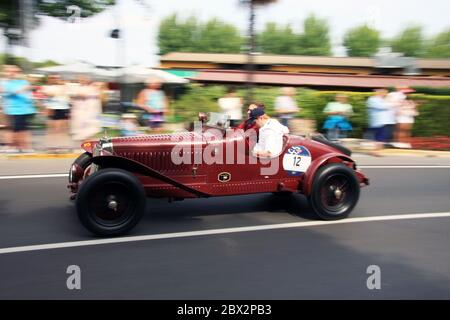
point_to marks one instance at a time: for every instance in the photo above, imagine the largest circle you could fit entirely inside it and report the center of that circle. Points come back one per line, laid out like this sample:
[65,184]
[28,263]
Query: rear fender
[322,160]
[107,161]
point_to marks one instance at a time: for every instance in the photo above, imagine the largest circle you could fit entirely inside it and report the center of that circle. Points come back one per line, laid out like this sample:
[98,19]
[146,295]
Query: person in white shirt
[270,140]
[286,106]
[405,112]
[231,105]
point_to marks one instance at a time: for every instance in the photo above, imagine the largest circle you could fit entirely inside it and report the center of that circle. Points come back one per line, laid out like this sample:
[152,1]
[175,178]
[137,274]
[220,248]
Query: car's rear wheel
[110,202]
[335,192]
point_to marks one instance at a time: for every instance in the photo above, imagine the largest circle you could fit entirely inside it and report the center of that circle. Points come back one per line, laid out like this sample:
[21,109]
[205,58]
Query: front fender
[109,161]
[88,146]
[320,161]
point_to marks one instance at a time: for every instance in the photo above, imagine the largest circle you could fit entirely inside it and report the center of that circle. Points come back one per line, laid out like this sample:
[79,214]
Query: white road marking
[62,175]
[84,243]
[34,176]
[404,167]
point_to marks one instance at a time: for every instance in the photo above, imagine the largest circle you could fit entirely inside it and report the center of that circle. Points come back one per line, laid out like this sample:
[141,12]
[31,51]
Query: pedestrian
[86,109]
[286,106]
[231,105]
[153,100]
[337,125]
[129,125]
[405,111]
[57,107]
[18,107]
[379,115]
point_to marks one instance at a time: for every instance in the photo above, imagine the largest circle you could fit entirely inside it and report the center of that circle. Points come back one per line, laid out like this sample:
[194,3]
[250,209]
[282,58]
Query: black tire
[96,198]
[84,160]
[282,193]
[335,192]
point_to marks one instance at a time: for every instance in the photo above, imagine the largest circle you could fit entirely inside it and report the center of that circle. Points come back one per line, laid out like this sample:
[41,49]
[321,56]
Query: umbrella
[139,74]
[80,68]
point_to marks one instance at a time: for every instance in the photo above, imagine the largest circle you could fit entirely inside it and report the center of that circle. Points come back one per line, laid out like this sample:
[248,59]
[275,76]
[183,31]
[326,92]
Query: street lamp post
[250,53]
[251,46]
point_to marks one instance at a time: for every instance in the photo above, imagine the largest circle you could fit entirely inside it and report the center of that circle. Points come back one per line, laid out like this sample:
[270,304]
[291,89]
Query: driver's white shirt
[271,137]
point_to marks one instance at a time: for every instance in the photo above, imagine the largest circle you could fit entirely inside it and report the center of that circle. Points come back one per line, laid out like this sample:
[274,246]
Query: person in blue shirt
[153,100]
[337,124]
[380,115]
[18,106]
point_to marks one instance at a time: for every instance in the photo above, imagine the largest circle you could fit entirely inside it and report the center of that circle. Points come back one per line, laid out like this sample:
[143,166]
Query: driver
[270,141]
[245,125]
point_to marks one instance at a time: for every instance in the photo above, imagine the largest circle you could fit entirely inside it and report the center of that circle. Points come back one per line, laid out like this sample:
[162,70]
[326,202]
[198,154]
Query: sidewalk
[369,147]
[358,146]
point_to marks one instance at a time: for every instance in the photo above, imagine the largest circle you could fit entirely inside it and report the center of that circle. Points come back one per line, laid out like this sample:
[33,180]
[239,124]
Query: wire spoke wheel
[335,191]
[112,204]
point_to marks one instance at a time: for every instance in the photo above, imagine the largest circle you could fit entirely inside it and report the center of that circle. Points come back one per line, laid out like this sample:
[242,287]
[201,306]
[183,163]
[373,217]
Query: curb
[375,153]
[39,156]
[403,152]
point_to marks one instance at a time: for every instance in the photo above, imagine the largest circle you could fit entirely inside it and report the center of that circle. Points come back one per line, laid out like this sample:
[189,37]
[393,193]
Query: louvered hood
[154,142]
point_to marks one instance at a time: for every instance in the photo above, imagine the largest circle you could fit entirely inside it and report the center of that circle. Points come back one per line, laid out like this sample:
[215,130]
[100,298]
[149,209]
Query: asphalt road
[312,262]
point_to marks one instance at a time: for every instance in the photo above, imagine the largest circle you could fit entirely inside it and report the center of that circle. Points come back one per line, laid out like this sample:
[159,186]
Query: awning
[317,80]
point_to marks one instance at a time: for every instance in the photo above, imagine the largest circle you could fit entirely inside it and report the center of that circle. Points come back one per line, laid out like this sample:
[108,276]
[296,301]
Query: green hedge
[434,118]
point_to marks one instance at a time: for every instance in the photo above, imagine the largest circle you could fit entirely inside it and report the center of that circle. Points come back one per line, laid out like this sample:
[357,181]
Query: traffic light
[115,34]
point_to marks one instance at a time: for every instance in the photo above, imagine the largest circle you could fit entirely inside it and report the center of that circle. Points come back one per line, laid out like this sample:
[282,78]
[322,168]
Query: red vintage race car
[113,178]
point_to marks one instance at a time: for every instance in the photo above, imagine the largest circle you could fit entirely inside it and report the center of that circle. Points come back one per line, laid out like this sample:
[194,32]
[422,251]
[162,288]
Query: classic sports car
[113,178]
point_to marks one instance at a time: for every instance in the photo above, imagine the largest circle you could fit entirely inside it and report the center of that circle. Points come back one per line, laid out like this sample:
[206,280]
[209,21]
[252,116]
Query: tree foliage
[219,37]
[192,36]
[315,40]
[10,9]
[362,41]
[278,40]
[410,42]
[439,46]
[58,8]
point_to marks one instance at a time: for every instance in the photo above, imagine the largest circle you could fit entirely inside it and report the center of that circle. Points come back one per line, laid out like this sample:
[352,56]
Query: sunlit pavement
[323,261]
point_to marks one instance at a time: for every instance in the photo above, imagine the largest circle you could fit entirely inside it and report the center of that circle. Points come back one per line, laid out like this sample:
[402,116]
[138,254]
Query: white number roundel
[296,160]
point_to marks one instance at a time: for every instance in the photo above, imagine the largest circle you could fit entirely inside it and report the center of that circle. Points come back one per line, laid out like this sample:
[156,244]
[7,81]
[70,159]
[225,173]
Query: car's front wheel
[335,192]
[110,202]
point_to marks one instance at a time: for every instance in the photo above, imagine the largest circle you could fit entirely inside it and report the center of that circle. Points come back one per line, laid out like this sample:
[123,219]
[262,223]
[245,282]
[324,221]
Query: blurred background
[370,75]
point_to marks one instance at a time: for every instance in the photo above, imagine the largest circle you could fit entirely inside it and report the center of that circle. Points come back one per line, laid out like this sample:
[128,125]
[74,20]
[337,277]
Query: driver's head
[258,116]
[254,105]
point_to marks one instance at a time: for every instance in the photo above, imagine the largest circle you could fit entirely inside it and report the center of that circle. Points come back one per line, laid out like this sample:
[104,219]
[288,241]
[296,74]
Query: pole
[26,12]
[250,53]
[120,49]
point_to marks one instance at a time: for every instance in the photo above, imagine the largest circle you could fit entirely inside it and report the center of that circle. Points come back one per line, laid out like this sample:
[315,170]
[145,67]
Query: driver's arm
[273,144]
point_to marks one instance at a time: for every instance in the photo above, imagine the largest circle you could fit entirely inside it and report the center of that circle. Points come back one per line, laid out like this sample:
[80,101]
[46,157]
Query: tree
[410,42]
[58,8]
[192,36]
[277,40]
[9,17]
[315,39]
[362,41]
[220,37]
[439,46]
[178,36]
[10,13]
